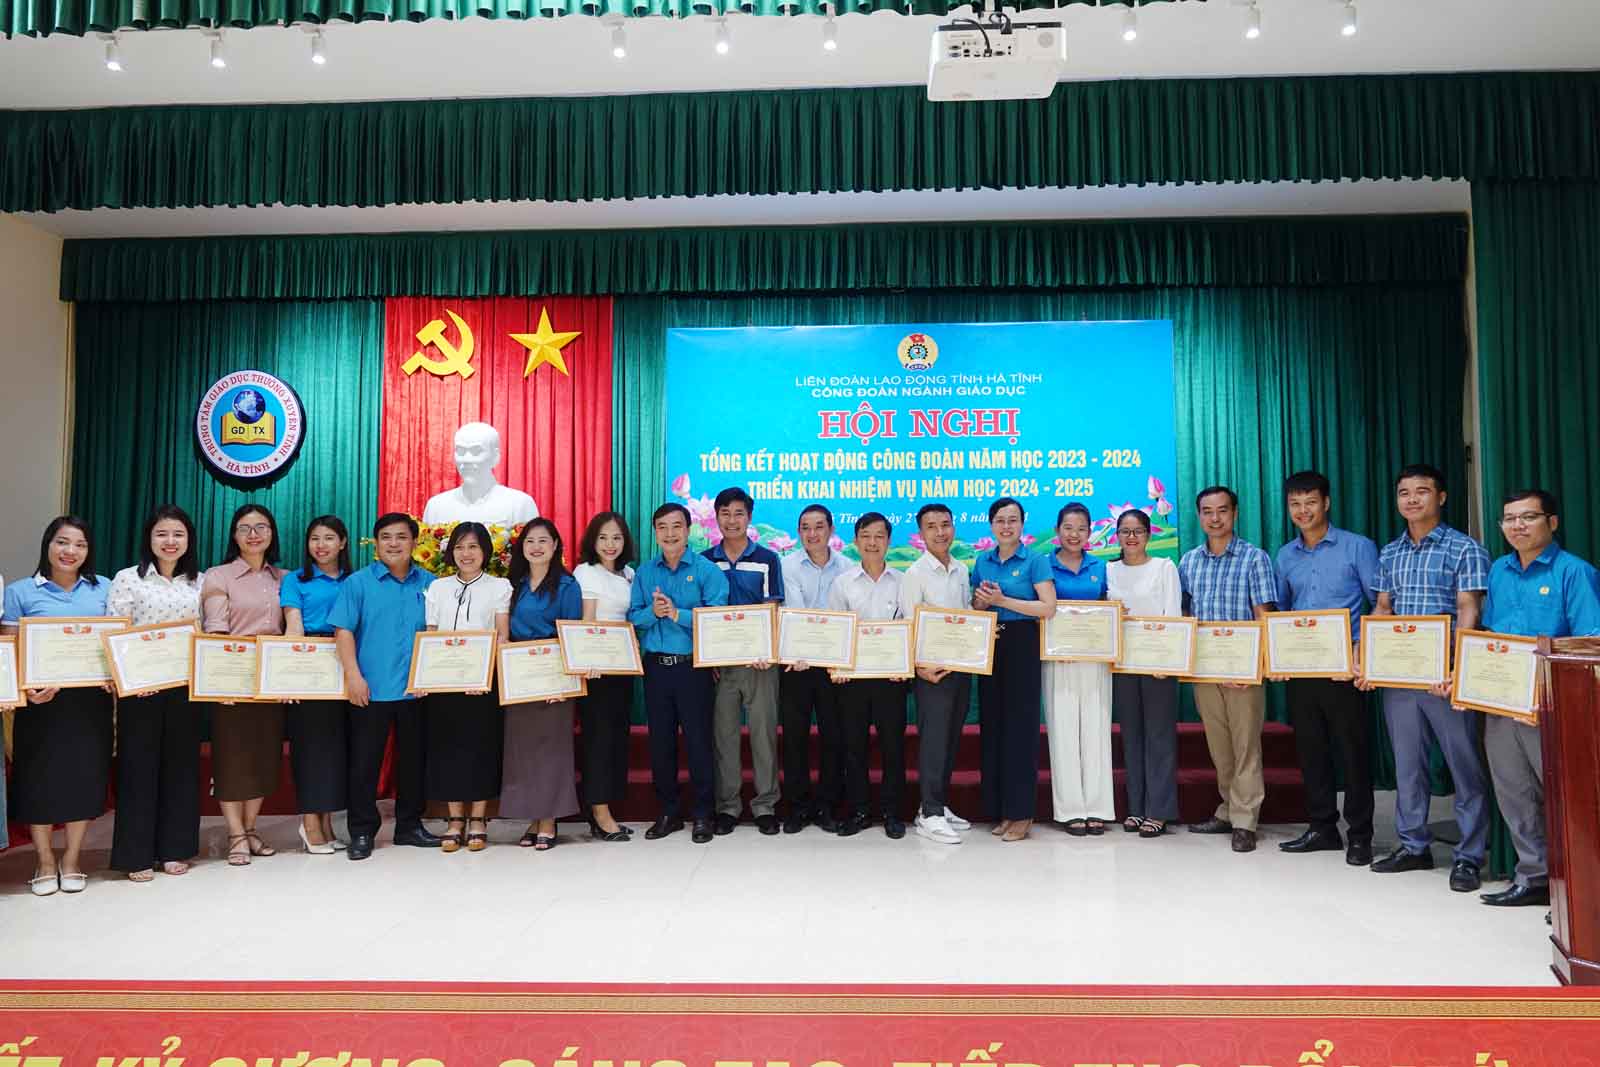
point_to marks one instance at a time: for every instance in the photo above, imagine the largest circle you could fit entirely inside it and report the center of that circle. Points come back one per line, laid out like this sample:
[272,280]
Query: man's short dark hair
[934,509]
[667,509]
[394,518]
[1421,470]
[1213,490]
[815,509]
[1547,500]
[1307,482]
[735,495]
[875,516]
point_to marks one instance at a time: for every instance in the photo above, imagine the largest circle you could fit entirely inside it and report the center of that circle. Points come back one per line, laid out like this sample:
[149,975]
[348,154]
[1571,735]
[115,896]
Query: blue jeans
[1415,717]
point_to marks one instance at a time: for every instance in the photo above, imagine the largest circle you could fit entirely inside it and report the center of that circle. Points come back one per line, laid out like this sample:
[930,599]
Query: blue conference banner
[888,418]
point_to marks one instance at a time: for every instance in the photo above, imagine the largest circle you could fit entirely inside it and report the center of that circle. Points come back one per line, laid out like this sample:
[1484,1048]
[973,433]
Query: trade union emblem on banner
[249,425]
[918,351]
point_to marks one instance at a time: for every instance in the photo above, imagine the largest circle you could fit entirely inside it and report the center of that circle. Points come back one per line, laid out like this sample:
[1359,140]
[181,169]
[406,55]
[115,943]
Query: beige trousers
[1232,718]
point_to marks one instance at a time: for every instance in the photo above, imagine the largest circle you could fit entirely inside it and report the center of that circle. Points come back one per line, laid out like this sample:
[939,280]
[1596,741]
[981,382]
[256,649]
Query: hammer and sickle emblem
[455,361]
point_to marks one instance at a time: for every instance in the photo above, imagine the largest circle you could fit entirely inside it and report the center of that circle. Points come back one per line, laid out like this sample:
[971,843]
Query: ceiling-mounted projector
[996,59]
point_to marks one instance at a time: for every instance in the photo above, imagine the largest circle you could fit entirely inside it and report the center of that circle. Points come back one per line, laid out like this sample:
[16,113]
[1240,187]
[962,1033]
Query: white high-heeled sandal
[324,849]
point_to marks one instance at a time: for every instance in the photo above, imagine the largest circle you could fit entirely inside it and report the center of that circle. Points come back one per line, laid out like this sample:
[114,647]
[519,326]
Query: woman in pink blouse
[240,597]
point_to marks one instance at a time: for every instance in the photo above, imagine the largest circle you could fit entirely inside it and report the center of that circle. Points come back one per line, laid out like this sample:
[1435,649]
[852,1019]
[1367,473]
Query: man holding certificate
[1229,580]
[1326,567]
[1432,569]
[1536,590]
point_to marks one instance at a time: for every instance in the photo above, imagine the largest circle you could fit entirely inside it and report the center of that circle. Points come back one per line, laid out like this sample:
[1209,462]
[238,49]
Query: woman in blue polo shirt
[1016,584]
[62,737]
[318,745]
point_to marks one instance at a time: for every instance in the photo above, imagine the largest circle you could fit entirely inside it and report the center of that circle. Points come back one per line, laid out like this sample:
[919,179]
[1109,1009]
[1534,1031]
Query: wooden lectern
[1570,739]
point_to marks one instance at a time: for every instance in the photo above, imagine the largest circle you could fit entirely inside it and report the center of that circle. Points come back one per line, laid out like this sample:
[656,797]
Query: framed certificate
[1227,652]
[148,658]
[451,661]
[299,668]
[1083,630]
[883,650]
[222,668]
[1309,644]
[1156,645]
[605,647]
[817,638]
[536,670]
[65,653]
[10,680]
[1405,651]
[735,636]
[955,640]
[1497,673]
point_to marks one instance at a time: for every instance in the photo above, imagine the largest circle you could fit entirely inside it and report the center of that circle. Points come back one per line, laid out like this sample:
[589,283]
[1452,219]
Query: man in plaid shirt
[1432,569]
[1229,580]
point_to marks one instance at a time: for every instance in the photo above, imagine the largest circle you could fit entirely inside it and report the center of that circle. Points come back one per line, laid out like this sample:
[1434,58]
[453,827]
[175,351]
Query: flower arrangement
[432,540]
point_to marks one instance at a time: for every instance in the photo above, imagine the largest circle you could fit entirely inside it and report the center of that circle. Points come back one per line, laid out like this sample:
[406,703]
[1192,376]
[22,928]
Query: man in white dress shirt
[480,497]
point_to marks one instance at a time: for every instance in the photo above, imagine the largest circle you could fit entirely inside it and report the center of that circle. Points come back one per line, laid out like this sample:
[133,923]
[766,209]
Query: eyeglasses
[257,528]
[1527,518]
[1133,534]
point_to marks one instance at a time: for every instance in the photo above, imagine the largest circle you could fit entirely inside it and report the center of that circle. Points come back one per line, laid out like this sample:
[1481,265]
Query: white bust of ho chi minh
[479,498]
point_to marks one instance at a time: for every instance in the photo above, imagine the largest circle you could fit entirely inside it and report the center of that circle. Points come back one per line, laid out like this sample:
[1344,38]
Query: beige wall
[34,377]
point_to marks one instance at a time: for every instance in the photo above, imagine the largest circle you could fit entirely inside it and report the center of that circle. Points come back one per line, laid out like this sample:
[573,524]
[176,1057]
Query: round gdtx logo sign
[249,425]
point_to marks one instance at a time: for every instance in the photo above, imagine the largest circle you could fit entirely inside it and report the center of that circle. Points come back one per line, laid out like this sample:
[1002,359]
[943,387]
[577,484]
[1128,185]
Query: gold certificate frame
[616,640]
[512,661]
[954,639]
[1156,644]
[65,652]
[1228,653]
[222,669]
[1058,634]
[833,634]
[451,661]
[1405,651]
[1497,674]
[1296,640]
[162,641]
[295,656]
[888,644]
[10,676]
[738,635]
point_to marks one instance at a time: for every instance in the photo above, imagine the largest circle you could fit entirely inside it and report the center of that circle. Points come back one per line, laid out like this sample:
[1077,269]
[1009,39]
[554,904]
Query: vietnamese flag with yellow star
[536,369]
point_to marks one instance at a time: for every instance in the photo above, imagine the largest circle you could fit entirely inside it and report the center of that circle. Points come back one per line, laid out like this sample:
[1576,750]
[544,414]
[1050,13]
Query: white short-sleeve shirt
[609,590]
[452,604]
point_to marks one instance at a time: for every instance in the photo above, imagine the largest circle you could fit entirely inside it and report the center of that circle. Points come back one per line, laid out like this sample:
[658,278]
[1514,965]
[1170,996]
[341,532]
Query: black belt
[663,660]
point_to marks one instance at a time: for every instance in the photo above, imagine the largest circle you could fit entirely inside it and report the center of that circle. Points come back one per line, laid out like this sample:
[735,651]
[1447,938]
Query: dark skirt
[465,735]
[246,750]
[63,757]
[538,781]
[318,754]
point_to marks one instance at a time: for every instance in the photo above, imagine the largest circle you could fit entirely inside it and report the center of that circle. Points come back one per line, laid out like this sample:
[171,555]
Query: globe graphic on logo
[249,405]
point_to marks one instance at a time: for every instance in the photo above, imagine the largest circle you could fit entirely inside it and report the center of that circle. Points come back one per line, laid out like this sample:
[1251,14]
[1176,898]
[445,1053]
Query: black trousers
[677,696]
[158,781]
[368,734]
[1146,707]
[941,713]
[603,716]
[800,694]
[1330,716]
[318,754]
[1008,716]
[874,704]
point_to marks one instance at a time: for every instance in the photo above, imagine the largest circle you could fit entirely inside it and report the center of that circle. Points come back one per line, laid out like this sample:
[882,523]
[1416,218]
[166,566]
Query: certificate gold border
[563,625]
[898,624]
[1531,717]
[105,623]
[1170,620]
[261,669]
[194,663]
[430,635]
[993,622]
[1096,605]
[1227,679]
[1369,621]
[1343,614]
[500,651]
[116,675]
[8,647]
[772,632]
[855,621]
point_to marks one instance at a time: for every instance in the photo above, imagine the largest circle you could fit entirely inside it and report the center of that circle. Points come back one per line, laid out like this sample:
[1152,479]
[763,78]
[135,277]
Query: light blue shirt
[39,596]
[313,598]
[1015,576]
[1227,587]
[1088,582]
[1337,573]
[384,614]
[806,585]
[695,582]
[1557,595]
[534,615]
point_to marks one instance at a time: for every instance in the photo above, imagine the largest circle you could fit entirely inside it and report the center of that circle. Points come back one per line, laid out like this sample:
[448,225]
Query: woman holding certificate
[605,578]
[1146,704]
[465,731]
[538,782]
[241,598]
[62,738]
[318,734]
[1016,584]
[158,733]
[1077,695]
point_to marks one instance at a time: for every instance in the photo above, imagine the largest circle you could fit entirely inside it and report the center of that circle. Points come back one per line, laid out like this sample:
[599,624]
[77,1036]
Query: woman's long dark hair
[588,553]
[1144,520]
[188,565]
[86,568]
[519,562]
[478,532]
[231,553]
[335,524]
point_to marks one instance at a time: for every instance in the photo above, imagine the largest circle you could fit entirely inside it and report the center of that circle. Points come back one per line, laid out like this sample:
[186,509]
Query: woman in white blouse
[605,576]
[1146,706]
[158,734]
[465,730]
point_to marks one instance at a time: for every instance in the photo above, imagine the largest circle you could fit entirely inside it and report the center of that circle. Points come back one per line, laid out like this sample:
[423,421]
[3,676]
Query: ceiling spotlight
[319,49]
[1130,24]
[113,54]
[619,42]
[218,60]
[1252,22]
[723,41]
[830,35]
[1349,27]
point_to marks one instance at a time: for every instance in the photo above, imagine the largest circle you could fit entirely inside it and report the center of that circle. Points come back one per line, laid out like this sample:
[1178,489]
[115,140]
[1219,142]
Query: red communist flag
[536,369]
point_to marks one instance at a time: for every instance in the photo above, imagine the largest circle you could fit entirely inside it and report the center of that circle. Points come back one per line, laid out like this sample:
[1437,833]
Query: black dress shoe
[725,823]
[795,822]
[823,820]
[1401,860]
[417,837]
[1518,896]
[595,831]
[767,824]
[854,824]
[702,831]
[360,847]
[1212,825]
[1359,852]
[893,827]
[1464,877]
[667,824]
[1314,840]
[1244,840]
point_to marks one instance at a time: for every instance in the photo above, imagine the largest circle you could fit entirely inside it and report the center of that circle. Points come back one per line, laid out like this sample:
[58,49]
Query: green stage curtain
[1007,255]
[1132,132]
[140,372]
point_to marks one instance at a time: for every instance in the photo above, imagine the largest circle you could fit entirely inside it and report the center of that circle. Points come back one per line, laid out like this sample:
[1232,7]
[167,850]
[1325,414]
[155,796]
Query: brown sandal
[259,847]
[238,859]
[452,842]
[477,842]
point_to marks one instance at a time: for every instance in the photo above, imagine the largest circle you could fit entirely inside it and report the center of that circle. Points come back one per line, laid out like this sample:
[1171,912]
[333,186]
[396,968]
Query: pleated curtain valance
[1478,126]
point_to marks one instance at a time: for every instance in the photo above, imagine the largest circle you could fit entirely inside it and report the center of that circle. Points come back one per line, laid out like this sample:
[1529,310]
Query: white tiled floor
[807,908]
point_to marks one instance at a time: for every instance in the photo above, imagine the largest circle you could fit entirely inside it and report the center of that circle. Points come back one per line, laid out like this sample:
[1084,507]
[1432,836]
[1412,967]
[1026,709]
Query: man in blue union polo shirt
[1536,590]
[755,576]
[374,619]
[666,590]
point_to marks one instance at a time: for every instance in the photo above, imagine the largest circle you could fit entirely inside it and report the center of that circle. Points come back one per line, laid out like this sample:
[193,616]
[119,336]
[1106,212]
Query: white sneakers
[957,823]
[937,828]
